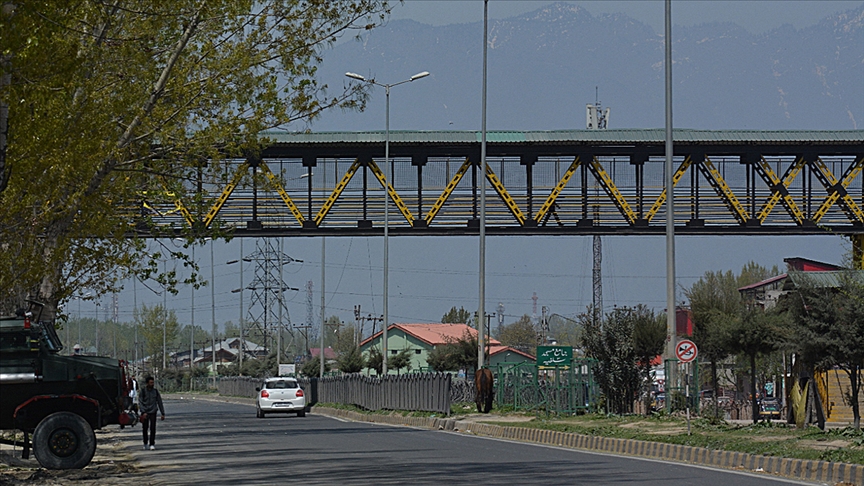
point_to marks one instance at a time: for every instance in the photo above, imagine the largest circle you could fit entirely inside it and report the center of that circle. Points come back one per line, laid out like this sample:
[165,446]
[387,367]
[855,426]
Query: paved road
[214,443]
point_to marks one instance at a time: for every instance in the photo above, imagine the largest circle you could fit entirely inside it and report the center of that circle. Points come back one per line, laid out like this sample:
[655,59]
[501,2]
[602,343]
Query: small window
[393,351]
[280,384]
[417,351]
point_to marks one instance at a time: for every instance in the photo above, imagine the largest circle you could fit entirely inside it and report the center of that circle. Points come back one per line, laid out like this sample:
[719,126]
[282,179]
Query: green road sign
[554,356]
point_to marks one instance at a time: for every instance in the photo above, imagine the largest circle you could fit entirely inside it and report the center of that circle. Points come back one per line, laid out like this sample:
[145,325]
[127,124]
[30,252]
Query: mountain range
[545,65]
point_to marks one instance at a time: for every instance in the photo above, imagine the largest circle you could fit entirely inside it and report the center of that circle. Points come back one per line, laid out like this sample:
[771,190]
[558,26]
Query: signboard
[686,351]
[554,356]
[287,369]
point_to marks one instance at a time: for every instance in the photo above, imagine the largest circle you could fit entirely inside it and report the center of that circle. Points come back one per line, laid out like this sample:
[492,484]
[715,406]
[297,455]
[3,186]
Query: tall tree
[455,355]
[610,342]
[827,327]
[457,316]
[156,323]
[520,335]
[716,303]
[755,332]
[649,339]
[119,102]
[351,360]
[402,360]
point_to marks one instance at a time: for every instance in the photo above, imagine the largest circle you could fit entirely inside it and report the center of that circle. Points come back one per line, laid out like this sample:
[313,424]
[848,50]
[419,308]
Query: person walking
[149,401]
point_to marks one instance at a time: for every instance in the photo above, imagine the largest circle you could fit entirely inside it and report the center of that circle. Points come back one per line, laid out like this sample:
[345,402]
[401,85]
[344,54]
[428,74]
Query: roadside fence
[428,392]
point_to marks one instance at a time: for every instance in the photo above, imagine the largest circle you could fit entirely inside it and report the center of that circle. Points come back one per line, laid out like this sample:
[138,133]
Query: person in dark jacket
[149,400]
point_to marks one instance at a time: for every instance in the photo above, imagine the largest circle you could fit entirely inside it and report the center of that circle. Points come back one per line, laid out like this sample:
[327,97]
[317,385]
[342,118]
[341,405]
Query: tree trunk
[753,402]
[855,391]
[716,388]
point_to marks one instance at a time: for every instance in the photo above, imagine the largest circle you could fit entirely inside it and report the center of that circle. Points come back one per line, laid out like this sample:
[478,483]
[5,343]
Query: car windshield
[281,384]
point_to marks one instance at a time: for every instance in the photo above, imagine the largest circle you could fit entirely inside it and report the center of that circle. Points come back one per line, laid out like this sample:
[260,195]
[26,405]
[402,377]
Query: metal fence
[429,392]
[571,389]
[462,390]
[239,386]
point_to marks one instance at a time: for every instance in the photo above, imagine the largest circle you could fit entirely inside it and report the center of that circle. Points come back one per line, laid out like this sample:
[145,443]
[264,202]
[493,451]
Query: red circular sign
[686,351]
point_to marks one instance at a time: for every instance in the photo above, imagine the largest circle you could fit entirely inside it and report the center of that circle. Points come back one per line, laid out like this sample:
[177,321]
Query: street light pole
[387,177]
[213,311]
[671,380]
[481,308]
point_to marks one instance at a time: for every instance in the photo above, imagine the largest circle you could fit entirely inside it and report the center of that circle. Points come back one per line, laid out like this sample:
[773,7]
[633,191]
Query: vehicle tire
[259,413]
[64,440]
[301,413]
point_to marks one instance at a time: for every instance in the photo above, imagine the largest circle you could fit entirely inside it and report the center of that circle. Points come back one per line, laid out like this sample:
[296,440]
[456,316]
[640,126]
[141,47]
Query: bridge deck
[551,182]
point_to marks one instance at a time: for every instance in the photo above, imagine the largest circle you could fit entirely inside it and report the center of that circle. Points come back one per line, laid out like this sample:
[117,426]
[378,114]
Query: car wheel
[301,413]
[64,440]
[259,413]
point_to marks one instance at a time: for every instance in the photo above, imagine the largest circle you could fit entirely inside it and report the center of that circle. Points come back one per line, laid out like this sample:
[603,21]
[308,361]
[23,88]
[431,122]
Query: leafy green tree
[154,324]
[520,335]
[457,316]
[755,332]
[455,355]
[827,327]
[350,361]
[312,367]
[231,330]
[115,104]
[716,303]
[610,342]
[649,339]
[567,331]
[375,361]
[402,360]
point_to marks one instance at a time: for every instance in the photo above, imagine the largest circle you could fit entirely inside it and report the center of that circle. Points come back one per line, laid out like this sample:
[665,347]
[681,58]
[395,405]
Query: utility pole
[488,328]
[374,320]
[357,324]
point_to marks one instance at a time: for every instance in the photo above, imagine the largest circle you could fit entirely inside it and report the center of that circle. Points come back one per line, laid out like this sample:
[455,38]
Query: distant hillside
[544,66]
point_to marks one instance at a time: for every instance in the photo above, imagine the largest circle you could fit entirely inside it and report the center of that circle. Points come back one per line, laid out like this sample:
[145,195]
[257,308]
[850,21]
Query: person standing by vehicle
[149,400]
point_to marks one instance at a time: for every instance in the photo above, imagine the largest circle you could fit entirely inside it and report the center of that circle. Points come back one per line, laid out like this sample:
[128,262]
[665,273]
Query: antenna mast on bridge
[596,119]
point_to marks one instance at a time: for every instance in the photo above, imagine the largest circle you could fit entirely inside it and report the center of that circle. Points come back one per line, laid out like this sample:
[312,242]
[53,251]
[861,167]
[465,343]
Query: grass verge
[768,438]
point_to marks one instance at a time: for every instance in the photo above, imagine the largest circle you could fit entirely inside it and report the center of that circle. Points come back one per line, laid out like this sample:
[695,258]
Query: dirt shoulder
[112,465]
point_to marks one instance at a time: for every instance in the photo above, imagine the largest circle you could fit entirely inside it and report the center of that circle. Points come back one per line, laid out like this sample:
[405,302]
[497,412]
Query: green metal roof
[832,279]
[639,136]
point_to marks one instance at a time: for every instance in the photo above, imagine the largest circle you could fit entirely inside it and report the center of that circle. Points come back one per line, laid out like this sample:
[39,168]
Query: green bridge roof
[636,136]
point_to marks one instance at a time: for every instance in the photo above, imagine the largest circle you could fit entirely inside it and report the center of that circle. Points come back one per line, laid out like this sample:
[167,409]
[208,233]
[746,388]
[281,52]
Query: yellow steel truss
[675,178]
[451,186]
[779,189]
[274,181]
[392,192]
[226,193]
[337,191]
[611,190]
[719,184]
[505,196]
[550,201]
[853,212]
[178,203]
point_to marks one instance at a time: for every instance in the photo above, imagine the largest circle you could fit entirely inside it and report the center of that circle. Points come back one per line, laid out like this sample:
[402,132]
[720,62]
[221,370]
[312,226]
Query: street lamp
[386,201]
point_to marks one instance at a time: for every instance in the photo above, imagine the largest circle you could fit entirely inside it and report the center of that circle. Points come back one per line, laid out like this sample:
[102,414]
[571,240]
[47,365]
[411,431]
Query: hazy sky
[430,275]
[754,15]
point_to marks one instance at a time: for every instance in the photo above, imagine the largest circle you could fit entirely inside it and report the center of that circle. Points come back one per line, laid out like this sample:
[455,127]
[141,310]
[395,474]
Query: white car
[280,395]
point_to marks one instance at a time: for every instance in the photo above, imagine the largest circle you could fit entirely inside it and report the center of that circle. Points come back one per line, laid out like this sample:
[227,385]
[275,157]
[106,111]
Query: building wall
[508,357]
[397,340]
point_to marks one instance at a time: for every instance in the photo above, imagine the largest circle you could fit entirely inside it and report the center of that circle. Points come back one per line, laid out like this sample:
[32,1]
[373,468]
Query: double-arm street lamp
[387,175]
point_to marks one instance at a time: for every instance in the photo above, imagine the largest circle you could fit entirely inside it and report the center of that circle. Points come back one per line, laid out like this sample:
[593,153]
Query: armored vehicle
[57,399]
